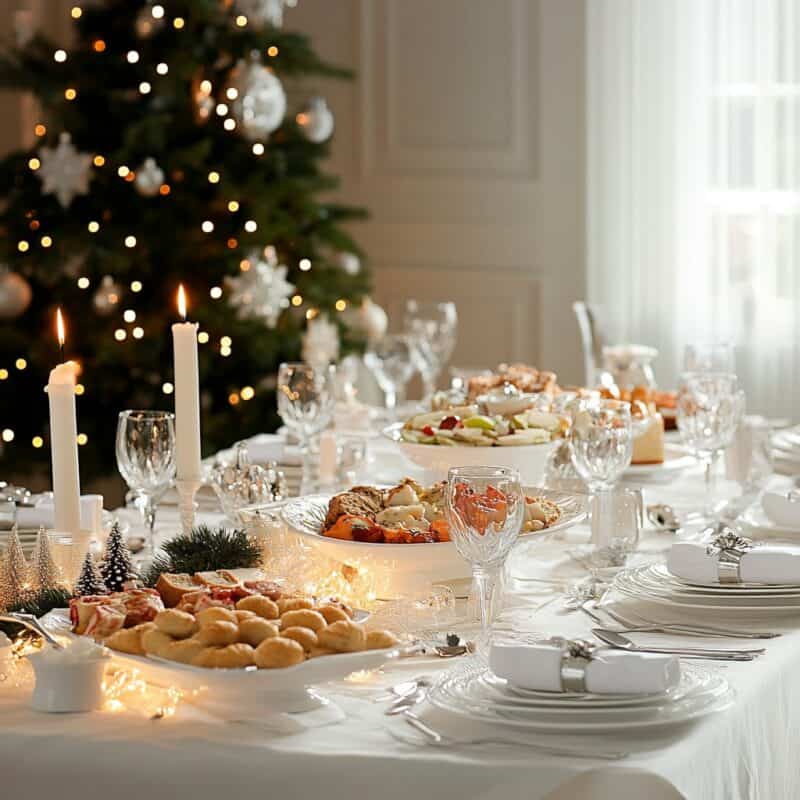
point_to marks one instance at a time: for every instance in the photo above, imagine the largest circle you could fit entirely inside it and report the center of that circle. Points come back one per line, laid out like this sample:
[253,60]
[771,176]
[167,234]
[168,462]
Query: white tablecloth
[746,752]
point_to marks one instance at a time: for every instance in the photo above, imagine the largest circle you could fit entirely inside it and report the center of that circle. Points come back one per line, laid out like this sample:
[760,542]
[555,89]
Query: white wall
[464,136]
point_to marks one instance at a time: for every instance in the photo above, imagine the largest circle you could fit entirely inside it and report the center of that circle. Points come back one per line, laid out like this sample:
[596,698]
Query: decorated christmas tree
[116,568]
[45,573]
[90,581]
[177,142]
[15,583]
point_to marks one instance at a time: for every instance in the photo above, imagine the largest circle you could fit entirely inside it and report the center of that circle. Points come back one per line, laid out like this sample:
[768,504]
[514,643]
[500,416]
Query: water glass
[484,507]
[601,440]
[616,525]
[433,329]
[709,408]
[146,458]
[391,360]
[306,401]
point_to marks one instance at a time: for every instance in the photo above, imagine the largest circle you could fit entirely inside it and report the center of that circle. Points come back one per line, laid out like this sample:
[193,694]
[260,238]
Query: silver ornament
[263,12]
[15,294]
[349,262]
[107,296]
[149,178]
[316,120]
[261,291]
[260,103]
[64,171]
[320,344]
[373,319]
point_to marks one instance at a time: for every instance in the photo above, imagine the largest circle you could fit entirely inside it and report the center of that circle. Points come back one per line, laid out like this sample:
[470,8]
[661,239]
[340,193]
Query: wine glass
[484,507]
[432,328]
[146,458]
[391,361]
[709,408]
[306,400]
[709,357]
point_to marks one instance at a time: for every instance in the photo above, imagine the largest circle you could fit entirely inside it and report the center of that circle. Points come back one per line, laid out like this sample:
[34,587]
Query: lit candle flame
[181,301]
[60,328]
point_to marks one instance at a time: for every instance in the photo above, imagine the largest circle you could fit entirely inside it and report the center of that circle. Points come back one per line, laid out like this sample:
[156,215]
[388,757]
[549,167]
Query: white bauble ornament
[149,178]
[349,262]
[15,294]
[373,319]
[260,103]
[64,171]
[316,120]
[320,345]
[263,12]
[262,291]
[107,296]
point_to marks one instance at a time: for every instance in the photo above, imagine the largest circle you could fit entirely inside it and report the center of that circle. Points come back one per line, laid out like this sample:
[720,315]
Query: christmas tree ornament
[64,172]
[107,296]
[149,178]
[349,263]
[260,103]
[263,12]
[316,120]
[15,294]
[45,572]
[15,582]
[320,344]
[262,291]
[90,581]
[373,320]
[116,568]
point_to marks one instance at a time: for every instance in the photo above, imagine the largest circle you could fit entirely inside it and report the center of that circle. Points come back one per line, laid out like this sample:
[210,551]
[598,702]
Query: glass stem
[390,397]
[399,394]
[307,481]
[710,473]
[485,583]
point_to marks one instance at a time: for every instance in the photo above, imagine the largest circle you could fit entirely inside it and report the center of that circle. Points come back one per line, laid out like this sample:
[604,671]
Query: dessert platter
[232,632]
[405,524]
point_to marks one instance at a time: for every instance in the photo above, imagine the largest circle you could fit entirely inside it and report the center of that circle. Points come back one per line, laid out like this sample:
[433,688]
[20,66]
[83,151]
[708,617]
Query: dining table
[352,748]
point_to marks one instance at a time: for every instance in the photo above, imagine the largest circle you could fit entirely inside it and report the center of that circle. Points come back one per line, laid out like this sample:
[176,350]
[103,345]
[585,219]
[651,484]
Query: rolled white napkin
[538,666]
[44,514]
[766,563]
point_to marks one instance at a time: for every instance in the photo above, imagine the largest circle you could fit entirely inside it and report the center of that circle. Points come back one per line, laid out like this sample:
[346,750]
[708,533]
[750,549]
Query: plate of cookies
[254,643]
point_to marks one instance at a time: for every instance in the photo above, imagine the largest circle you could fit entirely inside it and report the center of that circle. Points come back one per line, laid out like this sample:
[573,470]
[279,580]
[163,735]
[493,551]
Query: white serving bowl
[437,459]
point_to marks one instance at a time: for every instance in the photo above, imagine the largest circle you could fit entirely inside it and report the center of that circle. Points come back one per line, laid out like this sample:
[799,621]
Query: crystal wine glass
[484,507]
[433,329]
[306,400]
[146,458]
[391,361]
[709,408]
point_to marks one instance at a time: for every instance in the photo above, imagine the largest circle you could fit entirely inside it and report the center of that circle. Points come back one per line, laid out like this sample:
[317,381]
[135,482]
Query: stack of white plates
[785,451]
[474,691]
[656,584]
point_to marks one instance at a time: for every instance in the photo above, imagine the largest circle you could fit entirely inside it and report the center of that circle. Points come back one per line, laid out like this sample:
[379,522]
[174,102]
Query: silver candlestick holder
[187,489]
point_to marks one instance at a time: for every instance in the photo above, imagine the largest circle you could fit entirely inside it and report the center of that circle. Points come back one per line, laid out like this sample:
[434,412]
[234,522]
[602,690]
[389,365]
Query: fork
[437,739]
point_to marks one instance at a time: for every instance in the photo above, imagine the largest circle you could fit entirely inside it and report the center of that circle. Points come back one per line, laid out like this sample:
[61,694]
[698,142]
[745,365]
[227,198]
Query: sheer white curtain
[694,182]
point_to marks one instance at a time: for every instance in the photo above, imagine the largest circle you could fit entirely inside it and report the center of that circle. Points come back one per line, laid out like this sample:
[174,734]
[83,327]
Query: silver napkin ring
[730,547]
[574,660]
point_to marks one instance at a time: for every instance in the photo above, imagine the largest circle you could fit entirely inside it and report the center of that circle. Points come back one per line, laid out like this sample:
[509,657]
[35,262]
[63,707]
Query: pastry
[141,605]
[215,580]
[377,640]
[293,604]
[278,652]
[303,636]
[104,621]
[254,630]
[180,624]
[215,614]
[242,614]
[648,448]
[81,609]
[317,652]
[173,586]
[184,650]
[218,633]
[304,618]
[343,636]
[126,640]
[332,613]
[155,642]
[233,656]
[263,606]
[206,657]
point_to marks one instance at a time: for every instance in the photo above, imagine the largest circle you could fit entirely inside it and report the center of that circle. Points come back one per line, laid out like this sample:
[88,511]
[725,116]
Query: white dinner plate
[675,460]
[657,575]
[463,692]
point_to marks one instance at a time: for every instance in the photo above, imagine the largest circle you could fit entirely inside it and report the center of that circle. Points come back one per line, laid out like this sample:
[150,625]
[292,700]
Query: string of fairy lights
[207,109]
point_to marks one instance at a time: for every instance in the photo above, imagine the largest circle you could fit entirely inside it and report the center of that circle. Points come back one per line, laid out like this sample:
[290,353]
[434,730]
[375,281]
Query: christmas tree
[177,142]
[45,572]
[89,581]
[15,582]
[116,568]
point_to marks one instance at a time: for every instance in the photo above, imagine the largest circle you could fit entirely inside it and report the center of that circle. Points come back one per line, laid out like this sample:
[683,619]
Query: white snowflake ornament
[149,178]
[316,120]
[262,291]
[64,171]
[320,342]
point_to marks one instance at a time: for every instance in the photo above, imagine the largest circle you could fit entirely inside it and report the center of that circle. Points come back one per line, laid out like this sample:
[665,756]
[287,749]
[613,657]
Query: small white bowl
[529,459]
[782,511]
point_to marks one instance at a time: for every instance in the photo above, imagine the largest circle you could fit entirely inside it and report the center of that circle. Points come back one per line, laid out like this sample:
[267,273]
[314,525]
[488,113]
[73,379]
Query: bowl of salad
[476,434]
